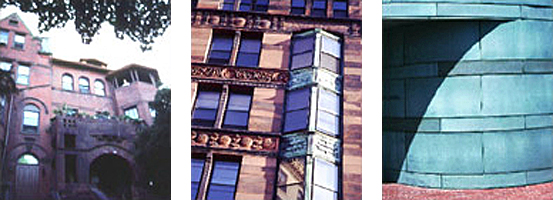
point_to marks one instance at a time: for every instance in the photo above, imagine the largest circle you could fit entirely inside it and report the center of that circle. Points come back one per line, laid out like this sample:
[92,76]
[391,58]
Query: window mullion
[308,7]
[206,176]
[222,106]
[235,48]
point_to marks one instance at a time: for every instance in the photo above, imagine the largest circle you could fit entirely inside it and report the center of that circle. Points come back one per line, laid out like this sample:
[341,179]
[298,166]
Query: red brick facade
[84,137]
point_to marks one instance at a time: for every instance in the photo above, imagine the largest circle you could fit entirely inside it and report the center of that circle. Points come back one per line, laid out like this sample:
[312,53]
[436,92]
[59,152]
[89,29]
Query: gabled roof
[16,17]
[79,65]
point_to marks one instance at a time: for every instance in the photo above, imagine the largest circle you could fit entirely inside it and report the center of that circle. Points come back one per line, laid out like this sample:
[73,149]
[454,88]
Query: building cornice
[256,77]
[277,23]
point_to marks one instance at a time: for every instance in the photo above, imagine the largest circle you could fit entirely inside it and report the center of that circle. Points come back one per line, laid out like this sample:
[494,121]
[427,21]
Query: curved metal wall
[468,103]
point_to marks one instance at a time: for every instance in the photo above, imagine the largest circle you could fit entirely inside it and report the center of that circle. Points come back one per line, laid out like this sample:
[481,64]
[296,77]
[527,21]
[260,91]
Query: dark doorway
[112,175]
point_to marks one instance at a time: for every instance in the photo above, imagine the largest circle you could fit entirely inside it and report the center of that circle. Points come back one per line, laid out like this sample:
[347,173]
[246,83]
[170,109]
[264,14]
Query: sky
[66,44]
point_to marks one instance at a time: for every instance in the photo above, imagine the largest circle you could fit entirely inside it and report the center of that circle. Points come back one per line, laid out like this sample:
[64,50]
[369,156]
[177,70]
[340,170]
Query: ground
[398,191]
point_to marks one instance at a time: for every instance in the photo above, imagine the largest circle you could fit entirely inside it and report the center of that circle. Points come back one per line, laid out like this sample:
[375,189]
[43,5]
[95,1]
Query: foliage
[141,20]
[7,84]
[153,146]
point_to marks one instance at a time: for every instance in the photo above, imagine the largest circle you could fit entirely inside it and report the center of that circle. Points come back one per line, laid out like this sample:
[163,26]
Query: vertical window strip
[4,37]
[67,82]
[84,85]
[250,48]
[223,180]
[31,116]
[330,54]
[6,66]
[340,8]
[205,110]
[298,7]
[319,8]
[221,48]
[23,73]
[238,109]
[297,109]
[261,5]
[302,52]
[132,112]
[19,41]
[228,5]
[197,169]
[99,88]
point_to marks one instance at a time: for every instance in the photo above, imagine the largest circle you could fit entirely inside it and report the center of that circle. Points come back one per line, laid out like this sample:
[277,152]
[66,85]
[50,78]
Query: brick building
[60,135]
[276,93]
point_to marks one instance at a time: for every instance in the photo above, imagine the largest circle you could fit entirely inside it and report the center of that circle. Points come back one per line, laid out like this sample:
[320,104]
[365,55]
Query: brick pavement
[398,191]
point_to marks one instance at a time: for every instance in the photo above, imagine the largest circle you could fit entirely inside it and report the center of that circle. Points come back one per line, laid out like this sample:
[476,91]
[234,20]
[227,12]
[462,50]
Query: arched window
[99,88]
[84,85]
[27,159]
[67,82]
[31,117]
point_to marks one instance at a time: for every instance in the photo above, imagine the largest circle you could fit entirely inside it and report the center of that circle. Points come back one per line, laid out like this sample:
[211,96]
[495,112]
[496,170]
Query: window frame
[4,64]
[203,165]
[27,76]
[30,109]
[307,51]
[228,159]
[212,89]
[96,89]
[335,114]
[4,37]
[81,86]
[298,9]
[242,51]
[20,159]
[334,10]
[318,12]
[220,36]
[306,108]
[238,91]
[63,82]
[129,109]
[19,44]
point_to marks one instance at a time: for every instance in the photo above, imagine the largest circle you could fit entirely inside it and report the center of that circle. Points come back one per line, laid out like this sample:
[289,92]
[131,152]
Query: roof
[134,66]
[16,16]
[79,65]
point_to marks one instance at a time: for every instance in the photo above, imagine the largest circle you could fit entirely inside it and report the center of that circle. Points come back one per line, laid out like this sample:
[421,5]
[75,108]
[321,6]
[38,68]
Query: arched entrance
[26,177]
[112,174]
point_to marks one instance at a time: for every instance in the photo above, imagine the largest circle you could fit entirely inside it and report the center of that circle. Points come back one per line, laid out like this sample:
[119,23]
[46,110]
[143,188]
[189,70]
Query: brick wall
[257,178]
[266,110]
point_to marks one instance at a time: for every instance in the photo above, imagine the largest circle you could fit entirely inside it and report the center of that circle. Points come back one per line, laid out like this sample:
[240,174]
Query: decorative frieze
[277,78]
[310,76]
[271,22]
[234,141]
[303,144]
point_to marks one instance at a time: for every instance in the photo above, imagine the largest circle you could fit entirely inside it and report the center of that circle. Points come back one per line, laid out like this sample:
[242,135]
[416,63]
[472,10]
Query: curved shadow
[418,56]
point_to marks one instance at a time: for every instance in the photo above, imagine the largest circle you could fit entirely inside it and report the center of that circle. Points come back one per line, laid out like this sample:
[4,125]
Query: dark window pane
[303,44]
[220,192]
[327,123]
[222,43]
[329,101]
[297,99]
[245,7]
[247,60]
[298,11]
[228,6]
[302,60]
[330,63]
[250,45]
[318,13]
[340,5]
[340,13]
[235,119]
[298,3]
[317,4]
[324,194]
[225,172]
[197,168]
[239,102]
[296,120]
[261,8]
[204,114]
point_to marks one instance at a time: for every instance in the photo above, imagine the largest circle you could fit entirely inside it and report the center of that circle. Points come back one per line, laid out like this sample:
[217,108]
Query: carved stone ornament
[234,141]
[252,75]
[272,22]
[309,76]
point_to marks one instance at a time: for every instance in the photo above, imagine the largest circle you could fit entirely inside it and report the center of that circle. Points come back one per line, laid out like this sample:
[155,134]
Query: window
[221,48]
[31,116]
[132,112]
[297,109]
[325,180]
[153,113]
[328,119]
[254,5]
[319,8]
[340,8]
[19,41]
[67,82]
[84,86]
[205,110]
[197,169]
[223,180]
[99,88]
[238,109]
[23,75]
[27,159]
[330,54]
[302,52]
[298,7]
[228,5]
[6,66]
[4,36]
[69,141]
[13,22]
[250,47]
